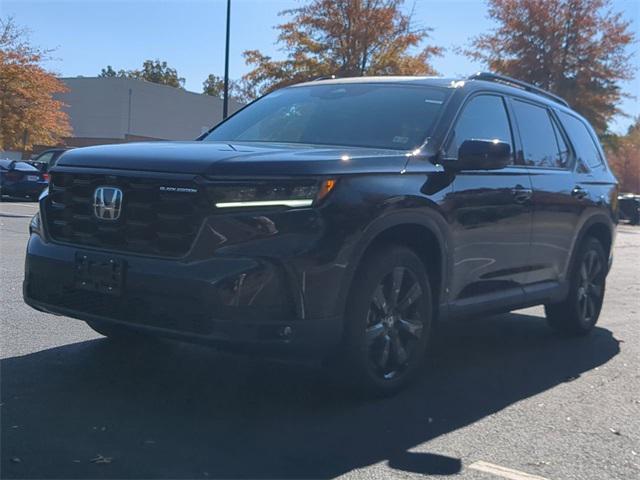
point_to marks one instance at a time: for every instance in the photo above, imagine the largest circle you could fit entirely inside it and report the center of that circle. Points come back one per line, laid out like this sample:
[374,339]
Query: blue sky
[189,34]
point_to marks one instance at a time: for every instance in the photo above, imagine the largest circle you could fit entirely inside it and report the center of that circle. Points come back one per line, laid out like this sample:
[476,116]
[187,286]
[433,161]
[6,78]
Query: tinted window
[584,144]
[539,136]
[484,118]
[45,157]
[24,167]
[358,114]
[13,165]
[565,151]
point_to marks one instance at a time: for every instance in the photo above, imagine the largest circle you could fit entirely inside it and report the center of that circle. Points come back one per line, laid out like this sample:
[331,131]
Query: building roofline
[141,81]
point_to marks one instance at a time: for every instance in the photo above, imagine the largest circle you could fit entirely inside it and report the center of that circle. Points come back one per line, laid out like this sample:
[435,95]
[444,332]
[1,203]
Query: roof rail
[495,77]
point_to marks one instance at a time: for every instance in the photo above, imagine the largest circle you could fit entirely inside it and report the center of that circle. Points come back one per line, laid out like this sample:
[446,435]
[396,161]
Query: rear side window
[542,144]
[45,157]
[583,142]
[484,118]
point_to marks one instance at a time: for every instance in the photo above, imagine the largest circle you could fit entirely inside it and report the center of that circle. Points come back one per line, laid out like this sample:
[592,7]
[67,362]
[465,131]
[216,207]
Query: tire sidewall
[375,267]
[590,245]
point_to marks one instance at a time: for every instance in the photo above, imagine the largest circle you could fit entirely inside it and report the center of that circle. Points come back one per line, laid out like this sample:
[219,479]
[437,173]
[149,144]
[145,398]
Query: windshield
[362,115]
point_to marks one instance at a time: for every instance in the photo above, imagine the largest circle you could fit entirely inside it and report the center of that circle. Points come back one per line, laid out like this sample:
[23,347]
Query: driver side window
[484,118]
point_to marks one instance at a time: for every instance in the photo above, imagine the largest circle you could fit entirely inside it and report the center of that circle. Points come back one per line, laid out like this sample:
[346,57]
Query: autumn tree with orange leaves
[28,112]
[574,48]
[623,154]
[344,38]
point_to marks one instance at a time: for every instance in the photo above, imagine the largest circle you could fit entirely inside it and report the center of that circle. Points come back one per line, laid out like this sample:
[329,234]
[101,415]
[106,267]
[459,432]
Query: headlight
[272,193]
[34,224]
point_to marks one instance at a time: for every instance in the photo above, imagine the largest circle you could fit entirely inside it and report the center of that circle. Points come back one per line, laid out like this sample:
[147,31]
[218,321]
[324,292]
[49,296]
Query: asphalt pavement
[502,397]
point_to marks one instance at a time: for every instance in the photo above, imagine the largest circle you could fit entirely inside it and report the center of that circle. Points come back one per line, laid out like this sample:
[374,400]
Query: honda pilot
[339,220]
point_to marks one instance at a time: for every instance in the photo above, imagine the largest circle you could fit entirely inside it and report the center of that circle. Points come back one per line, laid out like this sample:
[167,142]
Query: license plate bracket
[99,273]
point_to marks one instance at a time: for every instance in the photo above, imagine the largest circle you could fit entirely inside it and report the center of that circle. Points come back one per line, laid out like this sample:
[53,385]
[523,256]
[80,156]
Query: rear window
[586,148]
[24,167]
[12,165]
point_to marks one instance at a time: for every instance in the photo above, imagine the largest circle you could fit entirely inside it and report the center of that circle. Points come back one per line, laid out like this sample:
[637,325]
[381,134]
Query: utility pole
[225,100]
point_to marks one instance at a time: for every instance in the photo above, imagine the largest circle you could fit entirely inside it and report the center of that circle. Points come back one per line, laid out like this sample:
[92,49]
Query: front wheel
[388,322]
[579,312]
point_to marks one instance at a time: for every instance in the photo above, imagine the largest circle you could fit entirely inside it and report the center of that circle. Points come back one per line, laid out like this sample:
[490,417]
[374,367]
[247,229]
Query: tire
[578,313]
[386,334]
[635,217]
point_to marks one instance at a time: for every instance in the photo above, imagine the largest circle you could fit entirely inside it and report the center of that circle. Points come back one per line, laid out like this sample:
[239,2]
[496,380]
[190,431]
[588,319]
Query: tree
[343,38]
[29,114]
[214,86]
[110,72]
[156,71]
[574,48]
[624,158]
[153,71]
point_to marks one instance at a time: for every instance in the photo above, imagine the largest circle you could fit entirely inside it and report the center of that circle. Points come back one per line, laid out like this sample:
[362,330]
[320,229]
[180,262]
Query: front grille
[152,221]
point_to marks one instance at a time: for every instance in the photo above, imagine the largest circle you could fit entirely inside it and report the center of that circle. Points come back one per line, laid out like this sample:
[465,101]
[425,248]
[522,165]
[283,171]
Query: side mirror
[481,155]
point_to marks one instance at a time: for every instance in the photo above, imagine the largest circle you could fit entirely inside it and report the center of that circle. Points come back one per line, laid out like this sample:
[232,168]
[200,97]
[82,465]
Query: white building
[115,110]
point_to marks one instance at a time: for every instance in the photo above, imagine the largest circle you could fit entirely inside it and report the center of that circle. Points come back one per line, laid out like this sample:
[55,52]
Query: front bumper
[234,302]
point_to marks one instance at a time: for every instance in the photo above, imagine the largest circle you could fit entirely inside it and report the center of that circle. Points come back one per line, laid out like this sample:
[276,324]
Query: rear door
[491,212]
[556,206]
[594,186]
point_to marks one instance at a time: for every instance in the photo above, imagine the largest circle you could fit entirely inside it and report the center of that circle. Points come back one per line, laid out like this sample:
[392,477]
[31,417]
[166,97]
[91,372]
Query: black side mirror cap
[481,155]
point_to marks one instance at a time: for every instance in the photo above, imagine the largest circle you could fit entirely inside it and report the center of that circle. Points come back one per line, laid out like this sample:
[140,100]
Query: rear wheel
[579,312]
[388,322]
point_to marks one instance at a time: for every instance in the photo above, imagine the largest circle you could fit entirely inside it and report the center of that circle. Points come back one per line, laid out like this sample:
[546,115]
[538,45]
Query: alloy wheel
[590,287]
[394,323]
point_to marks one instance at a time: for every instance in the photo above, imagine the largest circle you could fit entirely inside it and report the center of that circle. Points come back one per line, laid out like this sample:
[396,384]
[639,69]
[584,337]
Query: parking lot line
[24,205]
[503,472]
[24,210]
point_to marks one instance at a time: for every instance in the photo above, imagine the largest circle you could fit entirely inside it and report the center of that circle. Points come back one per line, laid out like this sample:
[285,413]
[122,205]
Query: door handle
[579,192]
[521,194]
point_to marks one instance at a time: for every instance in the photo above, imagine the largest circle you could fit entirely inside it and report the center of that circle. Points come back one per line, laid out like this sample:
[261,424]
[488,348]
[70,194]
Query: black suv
[338,219]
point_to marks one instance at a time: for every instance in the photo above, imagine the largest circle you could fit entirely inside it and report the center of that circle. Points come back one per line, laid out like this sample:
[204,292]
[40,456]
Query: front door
[490,212]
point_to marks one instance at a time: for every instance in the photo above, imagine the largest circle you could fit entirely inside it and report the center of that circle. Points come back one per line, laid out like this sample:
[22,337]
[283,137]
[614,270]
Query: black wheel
[579,312]
[388,322]
[635,217]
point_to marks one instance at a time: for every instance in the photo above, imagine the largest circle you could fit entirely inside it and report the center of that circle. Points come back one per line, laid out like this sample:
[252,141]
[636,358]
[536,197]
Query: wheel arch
[424,234]
[600,227]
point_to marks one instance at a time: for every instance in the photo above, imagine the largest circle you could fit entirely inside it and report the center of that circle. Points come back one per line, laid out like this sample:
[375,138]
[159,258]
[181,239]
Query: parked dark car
[47,159]
[337,219]
[21,180]
[630,208]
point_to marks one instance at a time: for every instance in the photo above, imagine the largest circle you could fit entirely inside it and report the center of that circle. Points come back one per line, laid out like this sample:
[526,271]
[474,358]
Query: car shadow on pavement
[98,410]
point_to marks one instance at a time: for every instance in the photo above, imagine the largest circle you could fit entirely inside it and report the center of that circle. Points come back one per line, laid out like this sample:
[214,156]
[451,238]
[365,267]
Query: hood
[236,159]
